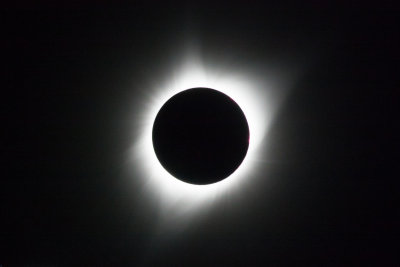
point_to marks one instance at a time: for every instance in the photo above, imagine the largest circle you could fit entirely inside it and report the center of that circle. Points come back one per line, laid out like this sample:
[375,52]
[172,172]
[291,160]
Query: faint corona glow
[251,94]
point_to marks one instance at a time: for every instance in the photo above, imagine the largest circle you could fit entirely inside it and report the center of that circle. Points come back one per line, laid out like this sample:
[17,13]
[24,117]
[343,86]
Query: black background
[68,69]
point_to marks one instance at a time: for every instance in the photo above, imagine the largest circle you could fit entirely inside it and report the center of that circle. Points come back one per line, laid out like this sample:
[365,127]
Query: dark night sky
[329,196]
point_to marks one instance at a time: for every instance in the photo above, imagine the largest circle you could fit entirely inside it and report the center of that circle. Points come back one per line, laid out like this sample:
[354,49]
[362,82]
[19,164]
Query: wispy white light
[252,94]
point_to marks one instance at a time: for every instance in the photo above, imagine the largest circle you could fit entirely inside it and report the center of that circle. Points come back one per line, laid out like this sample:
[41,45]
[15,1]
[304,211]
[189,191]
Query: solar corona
[199,136]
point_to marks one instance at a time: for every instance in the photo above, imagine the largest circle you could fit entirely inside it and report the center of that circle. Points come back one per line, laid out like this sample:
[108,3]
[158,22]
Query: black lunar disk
[200,136]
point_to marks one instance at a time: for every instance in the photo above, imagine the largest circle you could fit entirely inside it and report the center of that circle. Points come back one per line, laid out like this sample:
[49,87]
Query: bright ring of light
[250,93]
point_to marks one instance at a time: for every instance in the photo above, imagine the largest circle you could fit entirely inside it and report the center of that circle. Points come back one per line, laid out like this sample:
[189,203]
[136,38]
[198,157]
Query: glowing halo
[250,93]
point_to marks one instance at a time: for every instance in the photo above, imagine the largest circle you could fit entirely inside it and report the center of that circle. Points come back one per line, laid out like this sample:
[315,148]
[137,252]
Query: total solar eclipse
[200,136]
